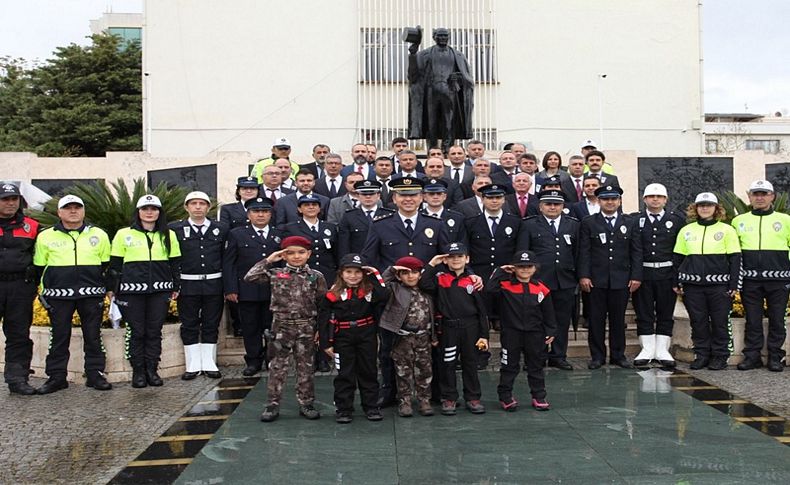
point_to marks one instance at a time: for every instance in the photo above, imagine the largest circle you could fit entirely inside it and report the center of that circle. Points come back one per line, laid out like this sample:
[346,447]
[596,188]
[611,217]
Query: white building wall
[232,76]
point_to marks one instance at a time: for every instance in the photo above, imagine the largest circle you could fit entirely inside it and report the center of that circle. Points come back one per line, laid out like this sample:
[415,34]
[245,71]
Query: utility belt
[661,264]
[459,322]
[13,276]
[411,329]
[363,322]
[201,277]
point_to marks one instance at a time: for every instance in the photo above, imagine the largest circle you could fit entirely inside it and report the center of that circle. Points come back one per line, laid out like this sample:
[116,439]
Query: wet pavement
[606,426]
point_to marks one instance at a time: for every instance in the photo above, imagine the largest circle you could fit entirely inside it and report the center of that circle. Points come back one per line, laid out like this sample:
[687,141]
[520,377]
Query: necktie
[578,189]
[610,221]
[553,226]
[355,203]
[494,224]
[522,205]
[457,175]
[313,228]
[332,188]
[654,217]
[260,234]
[198,230]
[369,214]
[273,195]
[359,169]
[409,228]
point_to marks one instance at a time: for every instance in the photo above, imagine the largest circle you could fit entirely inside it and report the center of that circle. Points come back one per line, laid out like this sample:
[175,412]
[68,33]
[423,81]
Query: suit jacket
[388,240]
[454,193]
[285,211]
[201,254]
[284,191]
[486,252]
[352,168]
[557,254]
[352,232]
[454,223]
[610,257]
[235,215]
[314,168]
[468,175]
[511,205]
[579,210]
[468,207]
[243,249]
[501,178]
[569,188]
[322,188]
[337,207]
[323,256]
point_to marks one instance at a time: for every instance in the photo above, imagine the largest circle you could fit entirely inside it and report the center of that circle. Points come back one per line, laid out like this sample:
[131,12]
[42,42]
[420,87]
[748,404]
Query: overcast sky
[745,44]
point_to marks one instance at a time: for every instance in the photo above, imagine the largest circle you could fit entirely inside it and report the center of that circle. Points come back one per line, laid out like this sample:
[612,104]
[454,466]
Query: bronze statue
[441,90]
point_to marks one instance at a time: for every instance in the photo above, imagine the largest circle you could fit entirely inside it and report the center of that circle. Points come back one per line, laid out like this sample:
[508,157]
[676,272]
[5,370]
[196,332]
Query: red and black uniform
[464,321]
[347,324]
[528,318]
[17,291]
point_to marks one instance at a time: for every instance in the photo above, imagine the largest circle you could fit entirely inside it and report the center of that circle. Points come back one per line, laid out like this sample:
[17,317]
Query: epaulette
[530,217]
[383,216]
[454,212]
[353,209]
[570,217]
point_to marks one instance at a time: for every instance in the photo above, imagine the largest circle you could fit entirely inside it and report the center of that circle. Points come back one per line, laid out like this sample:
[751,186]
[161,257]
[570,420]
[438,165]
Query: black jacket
[557,255]
[201,255]
[244,248]
[523,306]
[610,257]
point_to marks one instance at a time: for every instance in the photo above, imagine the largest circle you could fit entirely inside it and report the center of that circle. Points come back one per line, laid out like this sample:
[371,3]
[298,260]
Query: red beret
[410,262]
[296,241]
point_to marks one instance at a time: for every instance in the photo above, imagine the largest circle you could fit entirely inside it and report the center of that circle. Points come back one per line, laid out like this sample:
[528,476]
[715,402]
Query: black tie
[332,188]
[198,230]
[553,227]
[494,225]
[655,218]
[369,214]
[457,175]
[610,221]
[260,234]
[409,228]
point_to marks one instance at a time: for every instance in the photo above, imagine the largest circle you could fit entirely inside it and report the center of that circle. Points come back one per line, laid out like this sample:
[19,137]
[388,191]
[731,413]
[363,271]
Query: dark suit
[610,257]
[286,210]
[469,207]
[235,215]
[468,174]
[243,249]
[579,210]
[454,193]
[501,178]
[353,230]
[353,168]
[569,189]
[314,168]
[323,256]
[321,187]
[511,205]
[558,257]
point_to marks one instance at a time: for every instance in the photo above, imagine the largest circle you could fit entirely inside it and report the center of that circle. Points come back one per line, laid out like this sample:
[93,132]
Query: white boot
[192,361]
[648,352]
[662,351]
[208,360]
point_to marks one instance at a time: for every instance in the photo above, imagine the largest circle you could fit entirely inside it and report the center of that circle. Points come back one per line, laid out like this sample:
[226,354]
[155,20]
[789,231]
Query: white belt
[662,264]
[200,277]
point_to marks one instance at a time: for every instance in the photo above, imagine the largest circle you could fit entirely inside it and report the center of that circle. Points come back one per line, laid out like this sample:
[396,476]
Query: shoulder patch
[383,216]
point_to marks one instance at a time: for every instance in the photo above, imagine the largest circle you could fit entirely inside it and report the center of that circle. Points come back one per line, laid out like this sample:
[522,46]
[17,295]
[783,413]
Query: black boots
[53,384]
[22,388]
[151,377]
[96,380]
[138,377]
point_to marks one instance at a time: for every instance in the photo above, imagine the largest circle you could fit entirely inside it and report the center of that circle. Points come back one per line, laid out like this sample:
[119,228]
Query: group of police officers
[608,254]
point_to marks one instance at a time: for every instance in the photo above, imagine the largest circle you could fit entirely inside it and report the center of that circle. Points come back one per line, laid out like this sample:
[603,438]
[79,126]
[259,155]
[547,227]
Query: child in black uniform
[347,331]
[464,325]
[528,325]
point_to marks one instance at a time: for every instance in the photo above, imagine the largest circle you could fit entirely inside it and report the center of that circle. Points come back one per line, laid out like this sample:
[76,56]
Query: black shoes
[624,363]
[561,364]
[374,414]
[151,376]
[343,418]
[138,377]
[323,367]
[699,363]
[212,374]
[717,363]
[775,363]
[97,381]
[53,384]
[188,376]
[22,388]
[749,364]
[594,364]
[250,370]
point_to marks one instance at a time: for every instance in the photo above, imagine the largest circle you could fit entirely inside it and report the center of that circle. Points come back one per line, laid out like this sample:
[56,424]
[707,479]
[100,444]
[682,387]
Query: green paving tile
[603,429]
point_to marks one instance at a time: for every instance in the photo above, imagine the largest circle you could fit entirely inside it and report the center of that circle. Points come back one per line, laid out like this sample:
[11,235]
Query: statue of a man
[441,93]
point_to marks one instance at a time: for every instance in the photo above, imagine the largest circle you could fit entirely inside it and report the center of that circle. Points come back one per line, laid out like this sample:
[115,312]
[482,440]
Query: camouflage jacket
[295,291]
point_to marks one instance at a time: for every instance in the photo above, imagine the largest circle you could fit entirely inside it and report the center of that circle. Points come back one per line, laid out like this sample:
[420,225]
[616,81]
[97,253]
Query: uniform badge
[94,241]
[276,239]
[777,226]
[429,232]
[215,231]
[328,232]
[186,231]
[128,240]
[623,229]
[602,237]
[718,236]
[283,275]
[567,239]
[687,236]
[368,297]
[566,211]
[470,289]
[508,230]
[26,227]
[669,224]
[327,243]
[641,223]
[541,296]
[450,222]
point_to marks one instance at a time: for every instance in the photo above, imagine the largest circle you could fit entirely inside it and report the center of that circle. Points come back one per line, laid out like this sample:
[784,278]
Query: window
[711,146]
[128,34]
[768,146]
[385,55]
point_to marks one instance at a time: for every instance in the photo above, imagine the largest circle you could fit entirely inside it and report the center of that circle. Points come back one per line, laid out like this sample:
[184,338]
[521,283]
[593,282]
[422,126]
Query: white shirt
[660,215]
[461,169]
[592,208]
[409,174]
[556,222]
[437,215]
[497,216]
[267,192]
[413,220]
[365,169]
[265,230]
[338,182]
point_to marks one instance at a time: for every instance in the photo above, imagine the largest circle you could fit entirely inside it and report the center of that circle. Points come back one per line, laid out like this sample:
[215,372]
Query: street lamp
[601,77]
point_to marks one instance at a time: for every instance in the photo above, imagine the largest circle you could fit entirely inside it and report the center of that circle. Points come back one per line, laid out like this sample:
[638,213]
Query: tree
[84,101]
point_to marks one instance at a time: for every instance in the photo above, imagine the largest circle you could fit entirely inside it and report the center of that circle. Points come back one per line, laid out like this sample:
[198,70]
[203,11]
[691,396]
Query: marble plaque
[779,175]
[684,178]
[199,177]
[57,187]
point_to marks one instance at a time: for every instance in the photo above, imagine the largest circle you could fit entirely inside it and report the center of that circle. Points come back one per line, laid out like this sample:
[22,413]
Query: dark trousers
[563,301]
[90,311]
[200,316]
[255,317]
[144,315]
[387,388]
[774,294]
[355,361]
[16,311]
[233,311]
[607,304]
[514,342]
[654,304]
[458,341]
[709,314]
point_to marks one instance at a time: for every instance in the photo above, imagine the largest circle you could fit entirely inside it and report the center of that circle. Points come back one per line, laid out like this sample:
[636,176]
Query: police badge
[94,241]
[777,226]
[428,232]
[450,222]
[669,224]
[508,230]
[718,236]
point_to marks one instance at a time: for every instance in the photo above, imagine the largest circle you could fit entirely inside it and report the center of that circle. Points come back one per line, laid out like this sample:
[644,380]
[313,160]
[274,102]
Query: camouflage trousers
[412,357]
[292,337]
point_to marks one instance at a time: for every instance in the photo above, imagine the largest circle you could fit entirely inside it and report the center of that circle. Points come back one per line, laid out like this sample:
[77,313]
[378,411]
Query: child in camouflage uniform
[296,290]
[409,314]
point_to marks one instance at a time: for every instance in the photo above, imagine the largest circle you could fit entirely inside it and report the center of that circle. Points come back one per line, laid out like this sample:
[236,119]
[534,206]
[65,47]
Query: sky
[745,44]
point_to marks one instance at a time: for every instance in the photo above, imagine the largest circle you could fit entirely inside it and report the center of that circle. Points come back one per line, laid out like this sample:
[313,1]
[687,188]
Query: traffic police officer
[72,257]
[17,287]
[355,224]
[435,195]
[610,267]
[246,246]
[200,300]
[765,238]
[654,301]
[554,239]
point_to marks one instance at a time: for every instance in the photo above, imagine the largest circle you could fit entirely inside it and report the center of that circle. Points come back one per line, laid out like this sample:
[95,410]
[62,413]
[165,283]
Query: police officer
[554,238]
[610,268]
[235,215]
[200,301]
[246,246]
[435,195]
[72,257]
[17,287]
[765,238]
[654,301]
[392,236]
[143,272]
[355,224]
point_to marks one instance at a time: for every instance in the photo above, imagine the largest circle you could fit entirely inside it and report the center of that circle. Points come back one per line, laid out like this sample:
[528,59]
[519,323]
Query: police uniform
[765,238]
[610,254]
[654,301]
[72,262]
[200,300]
[708,260]
[453,220]
[17,291]
[246,246]
[234,214]
[145,274]
[556,245]
[324,241]
[355,223]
